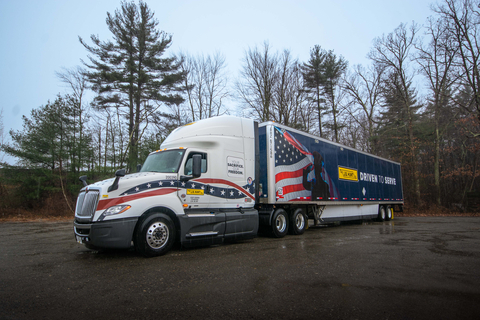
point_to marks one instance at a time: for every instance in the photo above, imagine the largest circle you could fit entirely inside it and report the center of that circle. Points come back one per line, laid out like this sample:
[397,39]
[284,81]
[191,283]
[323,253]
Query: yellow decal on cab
[195,192]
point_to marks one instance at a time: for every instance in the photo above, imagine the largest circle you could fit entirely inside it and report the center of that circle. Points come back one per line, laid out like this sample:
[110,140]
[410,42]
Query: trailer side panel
[298,167]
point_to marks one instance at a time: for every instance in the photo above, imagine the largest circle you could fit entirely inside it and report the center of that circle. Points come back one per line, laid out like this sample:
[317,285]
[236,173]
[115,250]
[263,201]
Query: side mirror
[139,167]
[197,166]
[84,180]
[196,163]
[120,173]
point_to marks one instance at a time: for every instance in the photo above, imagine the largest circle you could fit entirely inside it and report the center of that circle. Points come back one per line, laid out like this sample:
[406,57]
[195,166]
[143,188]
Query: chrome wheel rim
[157,235]
[281,223]
[300,221]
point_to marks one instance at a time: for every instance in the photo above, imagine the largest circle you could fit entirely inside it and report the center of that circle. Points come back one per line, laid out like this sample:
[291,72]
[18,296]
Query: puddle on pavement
[387,228]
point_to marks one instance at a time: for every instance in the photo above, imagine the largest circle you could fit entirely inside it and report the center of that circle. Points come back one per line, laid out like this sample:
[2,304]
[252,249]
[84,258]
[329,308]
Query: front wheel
[280,223]
[155,235]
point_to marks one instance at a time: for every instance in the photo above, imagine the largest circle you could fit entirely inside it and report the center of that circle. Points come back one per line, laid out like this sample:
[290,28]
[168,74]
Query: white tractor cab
[197,188]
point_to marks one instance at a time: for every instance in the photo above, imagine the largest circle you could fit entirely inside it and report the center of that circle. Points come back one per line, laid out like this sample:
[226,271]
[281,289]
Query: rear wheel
[381,213]
[280,223]
[388,213]
[298,222]
[155,235]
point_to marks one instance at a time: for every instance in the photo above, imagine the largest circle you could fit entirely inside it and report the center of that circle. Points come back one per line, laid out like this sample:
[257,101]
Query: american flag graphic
[227,189]
[212,187]
[291,158]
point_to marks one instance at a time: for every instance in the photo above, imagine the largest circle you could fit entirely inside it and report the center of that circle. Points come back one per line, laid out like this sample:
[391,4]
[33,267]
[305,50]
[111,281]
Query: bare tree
[393,52]
[288,97]
[302,114]
[216,84]
[461,17]
[437,62]
[272,88]
[364,90]
[354,135]
[258,76]
[76,81]
[2,137]
[282,89]
[206,85]
[306,115]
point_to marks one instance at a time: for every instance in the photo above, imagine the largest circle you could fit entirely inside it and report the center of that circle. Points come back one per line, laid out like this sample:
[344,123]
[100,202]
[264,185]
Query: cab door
[200,224]
[192,193]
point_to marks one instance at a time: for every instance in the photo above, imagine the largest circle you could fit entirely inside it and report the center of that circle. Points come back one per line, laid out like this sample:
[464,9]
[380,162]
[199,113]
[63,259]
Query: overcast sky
[39,37]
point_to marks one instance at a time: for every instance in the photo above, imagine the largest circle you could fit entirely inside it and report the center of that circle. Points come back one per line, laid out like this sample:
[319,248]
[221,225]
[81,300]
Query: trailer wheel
[155,235]
[297,222]
[280,223]
[381,213]
[388,213]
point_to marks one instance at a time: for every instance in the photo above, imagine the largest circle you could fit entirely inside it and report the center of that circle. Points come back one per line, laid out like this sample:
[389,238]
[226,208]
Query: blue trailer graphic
[305,168]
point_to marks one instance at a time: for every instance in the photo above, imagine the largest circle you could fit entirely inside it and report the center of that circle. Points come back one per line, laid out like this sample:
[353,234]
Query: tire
[155,235]
[298,222]
[381,213]
[279,223]
[388,213]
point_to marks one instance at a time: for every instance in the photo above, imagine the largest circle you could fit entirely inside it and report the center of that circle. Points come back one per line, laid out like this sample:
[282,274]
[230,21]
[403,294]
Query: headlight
[116,209]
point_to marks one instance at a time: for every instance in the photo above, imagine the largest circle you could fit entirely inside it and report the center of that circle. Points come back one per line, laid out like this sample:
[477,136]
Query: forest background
[142,92]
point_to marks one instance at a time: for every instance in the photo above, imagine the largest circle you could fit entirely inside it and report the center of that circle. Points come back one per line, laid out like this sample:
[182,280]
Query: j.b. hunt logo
[347,174]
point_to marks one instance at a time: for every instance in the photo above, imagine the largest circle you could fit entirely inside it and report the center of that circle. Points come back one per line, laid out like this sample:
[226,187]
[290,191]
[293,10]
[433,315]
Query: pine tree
[48,139]
[313,75]
[334,67]
[398,130]
[130,72]
[321,75]
[48,148]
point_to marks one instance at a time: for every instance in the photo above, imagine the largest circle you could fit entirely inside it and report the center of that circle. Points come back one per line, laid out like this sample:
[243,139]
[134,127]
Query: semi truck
[225,178]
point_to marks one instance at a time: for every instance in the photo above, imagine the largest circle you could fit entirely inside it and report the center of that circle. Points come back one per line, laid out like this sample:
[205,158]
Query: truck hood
[134,186]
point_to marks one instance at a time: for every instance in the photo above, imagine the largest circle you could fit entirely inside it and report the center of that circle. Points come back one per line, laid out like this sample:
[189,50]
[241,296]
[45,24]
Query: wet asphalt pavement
[409,268]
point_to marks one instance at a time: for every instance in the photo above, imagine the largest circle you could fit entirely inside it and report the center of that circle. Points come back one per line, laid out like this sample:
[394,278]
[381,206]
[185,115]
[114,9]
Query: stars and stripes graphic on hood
[209,186]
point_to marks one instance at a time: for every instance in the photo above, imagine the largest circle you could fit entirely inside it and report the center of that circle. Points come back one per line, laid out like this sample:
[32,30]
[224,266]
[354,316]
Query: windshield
[164,161]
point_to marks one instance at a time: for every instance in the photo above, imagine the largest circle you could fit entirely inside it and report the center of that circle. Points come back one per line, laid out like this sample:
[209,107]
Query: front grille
[87,203]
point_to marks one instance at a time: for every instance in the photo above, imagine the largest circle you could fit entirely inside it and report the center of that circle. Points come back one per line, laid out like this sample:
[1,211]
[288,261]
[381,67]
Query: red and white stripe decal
[107,203]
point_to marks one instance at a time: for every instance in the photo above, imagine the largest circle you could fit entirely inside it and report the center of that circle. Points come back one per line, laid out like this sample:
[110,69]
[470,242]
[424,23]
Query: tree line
[416,102]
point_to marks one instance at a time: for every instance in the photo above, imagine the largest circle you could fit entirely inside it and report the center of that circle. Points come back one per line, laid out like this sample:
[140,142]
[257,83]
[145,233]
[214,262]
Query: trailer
[304,175]
[224,178]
